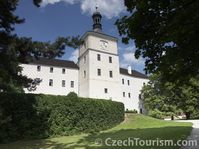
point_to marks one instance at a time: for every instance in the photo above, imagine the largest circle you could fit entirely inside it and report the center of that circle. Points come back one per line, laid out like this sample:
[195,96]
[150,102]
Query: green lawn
[135,126]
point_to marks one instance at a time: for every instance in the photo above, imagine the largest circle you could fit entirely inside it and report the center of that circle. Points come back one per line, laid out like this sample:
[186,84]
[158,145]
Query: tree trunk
[187,115]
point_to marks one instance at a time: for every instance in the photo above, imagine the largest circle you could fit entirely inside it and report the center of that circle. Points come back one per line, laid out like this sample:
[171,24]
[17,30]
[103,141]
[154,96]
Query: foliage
[72,95]
[195,114]
[166,34]
[156,114]
[135,126]
[186,96]
[15,50]
[39,116]
[169,98]
[131,111]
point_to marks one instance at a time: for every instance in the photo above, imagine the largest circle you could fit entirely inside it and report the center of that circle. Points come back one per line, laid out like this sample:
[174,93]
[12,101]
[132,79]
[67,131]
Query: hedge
[28,116]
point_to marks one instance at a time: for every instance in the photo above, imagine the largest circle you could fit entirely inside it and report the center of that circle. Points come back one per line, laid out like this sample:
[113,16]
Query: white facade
[99,75]
[96,75]
[131,87]
[57,77]
[111,83]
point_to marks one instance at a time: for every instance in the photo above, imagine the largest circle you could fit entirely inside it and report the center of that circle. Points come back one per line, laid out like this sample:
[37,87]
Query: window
[51,69]
[63,83]
[84,74]
[63,71]
[99,72]
[140,96]
[37,81]
[38,68]
[106,90]
[140,111]
[110,74]
[98,57]
[122,81]
[84,59]
[128,82]
[123,94]
[110,59]
[72,84]
[129,95]
[51,82]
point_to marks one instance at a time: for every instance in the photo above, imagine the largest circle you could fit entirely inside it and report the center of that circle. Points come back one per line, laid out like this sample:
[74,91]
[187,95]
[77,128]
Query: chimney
[129,69]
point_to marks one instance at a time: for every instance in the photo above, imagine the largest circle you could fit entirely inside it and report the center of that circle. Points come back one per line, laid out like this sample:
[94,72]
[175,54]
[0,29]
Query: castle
[96,75]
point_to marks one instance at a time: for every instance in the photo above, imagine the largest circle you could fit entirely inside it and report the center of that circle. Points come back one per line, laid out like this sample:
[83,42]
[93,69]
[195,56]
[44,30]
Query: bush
[195,114]
[156,114]
[40,116]
[72,95]
[131,111]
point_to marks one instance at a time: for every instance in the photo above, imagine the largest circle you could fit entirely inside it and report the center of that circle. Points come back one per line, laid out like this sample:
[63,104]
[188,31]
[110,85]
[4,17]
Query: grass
[134,126]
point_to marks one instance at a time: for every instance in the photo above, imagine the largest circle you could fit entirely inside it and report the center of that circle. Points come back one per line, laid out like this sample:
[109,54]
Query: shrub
[195,114]
[40,116]
[131,111]
[72,95]
[156,114]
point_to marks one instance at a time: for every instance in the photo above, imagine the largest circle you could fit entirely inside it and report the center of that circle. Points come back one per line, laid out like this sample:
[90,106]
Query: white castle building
[96,75]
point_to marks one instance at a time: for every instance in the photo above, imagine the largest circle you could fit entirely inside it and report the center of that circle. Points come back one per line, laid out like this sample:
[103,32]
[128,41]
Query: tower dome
[97,26]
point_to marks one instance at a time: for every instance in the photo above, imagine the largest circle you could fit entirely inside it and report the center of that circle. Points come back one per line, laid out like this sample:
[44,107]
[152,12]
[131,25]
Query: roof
[55,62]
[71,64]
[133,74]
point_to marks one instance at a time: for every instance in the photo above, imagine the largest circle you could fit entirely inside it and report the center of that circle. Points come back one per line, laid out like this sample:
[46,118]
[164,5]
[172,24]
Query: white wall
[94,43]
[134,89]
[97,84]
[83,80]
[93,85]
[30,70]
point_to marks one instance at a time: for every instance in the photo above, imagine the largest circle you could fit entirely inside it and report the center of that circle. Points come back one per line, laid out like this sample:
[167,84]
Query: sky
[62,18]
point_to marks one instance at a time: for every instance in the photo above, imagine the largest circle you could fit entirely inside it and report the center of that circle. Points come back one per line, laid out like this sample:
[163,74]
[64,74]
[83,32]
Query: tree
[166,33]
[169,98]
[157,98]
[15,50]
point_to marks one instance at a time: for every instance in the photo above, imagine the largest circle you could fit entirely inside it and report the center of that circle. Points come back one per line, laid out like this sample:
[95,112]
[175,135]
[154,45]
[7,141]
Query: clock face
[103,45]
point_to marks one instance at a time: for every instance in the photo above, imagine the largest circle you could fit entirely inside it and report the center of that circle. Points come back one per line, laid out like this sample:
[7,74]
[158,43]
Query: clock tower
[98,61]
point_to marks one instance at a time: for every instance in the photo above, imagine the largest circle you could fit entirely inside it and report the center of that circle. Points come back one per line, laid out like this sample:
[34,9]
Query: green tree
[15,50]
[157,98]
[166,34]
[169,98]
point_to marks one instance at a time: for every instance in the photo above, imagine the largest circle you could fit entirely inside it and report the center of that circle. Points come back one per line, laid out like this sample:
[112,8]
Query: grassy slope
[135,126]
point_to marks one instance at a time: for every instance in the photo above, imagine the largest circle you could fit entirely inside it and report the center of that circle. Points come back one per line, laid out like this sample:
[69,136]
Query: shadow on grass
[88,142]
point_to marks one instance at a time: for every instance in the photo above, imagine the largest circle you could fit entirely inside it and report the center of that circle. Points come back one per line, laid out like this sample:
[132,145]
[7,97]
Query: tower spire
[97,26]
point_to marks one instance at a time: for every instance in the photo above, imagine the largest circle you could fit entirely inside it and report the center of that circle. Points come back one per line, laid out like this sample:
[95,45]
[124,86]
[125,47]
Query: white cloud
[74,56]
[128,58]
[46,2]
[108,8]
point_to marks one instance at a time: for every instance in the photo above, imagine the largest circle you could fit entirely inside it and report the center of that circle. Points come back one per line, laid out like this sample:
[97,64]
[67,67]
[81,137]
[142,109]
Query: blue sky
[71,18]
